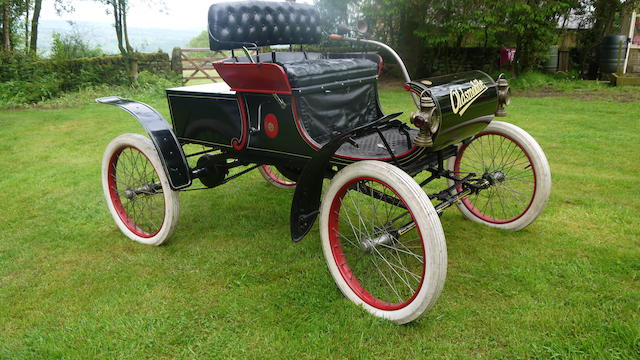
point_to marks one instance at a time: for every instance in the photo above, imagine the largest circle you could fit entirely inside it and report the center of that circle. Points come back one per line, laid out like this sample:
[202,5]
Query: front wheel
[383,241]
[517,169]
[137,190]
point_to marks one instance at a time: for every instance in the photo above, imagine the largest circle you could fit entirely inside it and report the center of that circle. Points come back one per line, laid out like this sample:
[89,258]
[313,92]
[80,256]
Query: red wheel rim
[524,179]
[351,267]
[132,214]
[276,177]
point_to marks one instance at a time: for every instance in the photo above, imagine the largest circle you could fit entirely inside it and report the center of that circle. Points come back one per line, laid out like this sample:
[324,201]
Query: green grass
[568,83]
[230,284]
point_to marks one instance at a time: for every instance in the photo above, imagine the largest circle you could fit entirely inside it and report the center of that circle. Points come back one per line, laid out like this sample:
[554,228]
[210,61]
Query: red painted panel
[271,126]
[258,77]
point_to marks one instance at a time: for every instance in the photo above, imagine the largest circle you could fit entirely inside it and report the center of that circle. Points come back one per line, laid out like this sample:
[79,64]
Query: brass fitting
[504,96]
[425,121]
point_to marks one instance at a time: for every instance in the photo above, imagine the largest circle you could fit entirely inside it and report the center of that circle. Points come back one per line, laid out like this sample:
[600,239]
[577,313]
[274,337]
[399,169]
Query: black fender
[171,155]
[306,199]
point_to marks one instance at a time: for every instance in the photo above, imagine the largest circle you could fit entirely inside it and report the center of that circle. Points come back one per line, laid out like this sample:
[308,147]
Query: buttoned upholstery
[311,69]
[236,24]
[325,71]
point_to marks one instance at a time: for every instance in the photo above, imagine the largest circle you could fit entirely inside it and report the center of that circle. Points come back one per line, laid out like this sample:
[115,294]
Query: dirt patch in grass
[589,95]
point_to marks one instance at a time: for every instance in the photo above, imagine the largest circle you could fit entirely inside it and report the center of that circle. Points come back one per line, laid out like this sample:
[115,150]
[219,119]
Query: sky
[175,14]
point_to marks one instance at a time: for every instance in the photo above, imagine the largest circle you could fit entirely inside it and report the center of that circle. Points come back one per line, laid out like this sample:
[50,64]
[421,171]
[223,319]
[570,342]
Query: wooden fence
[196,64]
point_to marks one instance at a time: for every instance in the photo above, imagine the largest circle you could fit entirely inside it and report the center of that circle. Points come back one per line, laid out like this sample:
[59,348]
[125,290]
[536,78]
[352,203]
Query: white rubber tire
[171,198]
[427,220]
[542,173]
[283,183]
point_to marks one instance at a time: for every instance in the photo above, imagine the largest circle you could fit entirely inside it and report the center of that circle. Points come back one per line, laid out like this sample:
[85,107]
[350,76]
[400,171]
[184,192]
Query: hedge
[39,79]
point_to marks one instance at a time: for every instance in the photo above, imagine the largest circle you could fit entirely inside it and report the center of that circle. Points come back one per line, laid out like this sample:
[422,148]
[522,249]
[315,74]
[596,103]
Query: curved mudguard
[161,134]
[306,199]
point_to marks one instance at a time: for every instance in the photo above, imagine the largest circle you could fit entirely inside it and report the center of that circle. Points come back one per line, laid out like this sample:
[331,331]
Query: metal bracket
[279,100]
[306,199]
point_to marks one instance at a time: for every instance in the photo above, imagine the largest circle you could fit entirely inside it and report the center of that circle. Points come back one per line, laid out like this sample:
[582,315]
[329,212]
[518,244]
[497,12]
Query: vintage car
[306,117]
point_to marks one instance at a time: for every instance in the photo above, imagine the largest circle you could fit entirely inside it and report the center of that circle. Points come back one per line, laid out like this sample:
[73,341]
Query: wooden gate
[196,64]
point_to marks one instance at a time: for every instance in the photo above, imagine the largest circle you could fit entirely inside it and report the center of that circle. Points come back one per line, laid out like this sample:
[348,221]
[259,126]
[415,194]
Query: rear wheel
[275,177]
[137,190]
[383,241]
[518,170]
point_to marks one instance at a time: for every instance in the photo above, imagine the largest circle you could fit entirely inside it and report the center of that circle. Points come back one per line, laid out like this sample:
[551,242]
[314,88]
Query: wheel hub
[149,189]
[130,194]
[494,177]
[370,243]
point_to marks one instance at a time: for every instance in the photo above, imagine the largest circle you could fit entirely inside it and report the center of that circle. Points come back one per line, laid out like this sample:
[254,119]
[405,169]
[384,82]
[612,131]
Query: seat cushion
[324,71]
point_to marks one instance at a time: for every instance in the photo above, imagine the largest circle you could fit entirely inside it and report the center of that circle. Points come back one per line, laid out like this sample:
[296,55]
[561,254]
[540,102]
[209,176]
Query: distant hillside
[103,35]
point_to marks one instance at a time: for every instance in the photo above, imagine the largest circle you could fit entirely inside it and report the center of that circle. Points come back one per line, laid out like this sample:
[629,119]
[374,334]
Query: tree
[6,25]
[33,41]
[200,41]
[533,25]
[119,10]
[601,15]
[19,20]
[416,26]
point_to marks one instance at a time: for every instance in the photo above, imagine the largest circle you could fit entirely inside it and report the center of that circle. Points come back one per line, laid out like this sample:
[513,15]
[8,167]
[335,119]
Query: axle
[148,189]
[470,185]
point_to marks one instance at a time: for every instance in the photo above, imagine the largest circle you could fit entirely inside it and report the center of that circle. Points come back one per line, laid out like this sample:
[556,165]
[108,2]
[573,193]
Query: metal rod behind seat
[397,57]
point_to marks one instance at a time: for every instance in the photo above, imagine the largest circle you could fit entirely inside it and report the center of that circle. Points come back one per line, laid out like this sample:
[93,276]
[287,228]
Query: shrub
[24,92]
[14,94]
[72,46]
[28,80]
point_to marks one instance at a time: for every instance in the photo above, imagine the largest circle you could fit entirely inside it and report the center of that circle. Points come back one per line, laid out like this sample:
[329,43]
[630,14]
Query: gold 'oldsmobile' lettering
[462,99]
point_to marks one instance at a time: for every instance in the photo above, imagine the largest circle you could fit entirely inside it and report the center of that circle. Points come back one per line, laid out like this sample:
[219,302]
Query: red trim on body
[301,130]
[380,64]
[254,77]
[239,145]
[316,146]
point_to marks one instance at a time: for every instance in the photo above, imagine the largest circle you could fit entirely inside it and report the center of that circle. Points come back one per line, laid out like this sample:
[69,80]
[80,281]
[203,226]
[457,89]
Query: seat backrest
[263,23]
[279,57]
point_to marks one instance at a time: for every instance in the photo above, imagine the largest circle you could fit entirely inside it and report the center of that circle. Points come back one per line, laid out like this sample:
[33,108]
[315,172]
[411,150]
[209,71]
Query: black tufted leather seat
[325,71]
[236,24]
[263,23]
[310,69]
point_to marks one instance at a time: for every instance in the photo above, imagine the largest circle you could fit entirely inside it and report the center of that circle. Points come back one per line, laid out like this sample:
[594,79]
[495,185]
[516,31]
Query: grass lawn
[230,284]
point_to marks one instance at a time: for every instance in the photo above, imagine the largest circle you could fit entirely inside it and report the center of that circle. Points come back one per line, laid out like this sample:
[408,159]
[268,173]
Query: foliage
[72,46]
[603,17]
[230,284]
[148,81]
[25,82]
[533,25]
[20,20]
[119,10]
[415,28]
[25,92]
[200,41]
[149,86]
